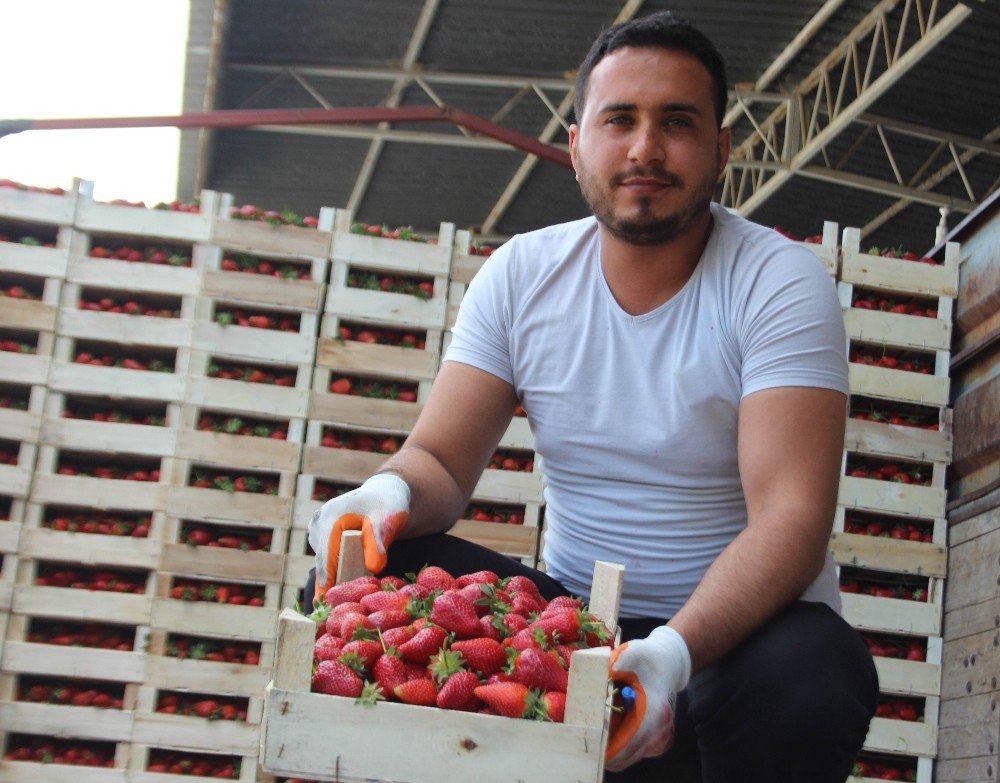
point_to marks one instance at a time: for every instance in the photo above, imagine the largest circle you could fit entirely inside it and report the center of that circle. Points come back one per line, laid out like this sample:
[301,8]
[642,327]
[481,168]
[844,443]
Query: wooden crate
[895,615]
[189,732]
[894,440]
[892,497]
[140,759]
[913,331]
[911,738]
[204,676]
[295,719]
[32,369]
[888,554]
[38,207]
[37,260]
[895,274]
[923,766]
[33,772]
[158,224]
[235,396]
[264,239]
[827,251]
[261,566]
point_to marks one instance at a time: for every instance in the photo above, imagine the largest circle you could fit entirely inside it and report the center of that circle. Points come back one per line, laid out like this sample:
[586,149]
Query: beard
[647,229]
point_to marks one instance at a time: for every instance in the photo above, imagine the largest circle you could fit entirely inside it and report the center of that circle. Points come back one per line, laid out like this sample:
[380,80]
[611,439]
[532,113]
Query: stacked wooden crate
[890,534]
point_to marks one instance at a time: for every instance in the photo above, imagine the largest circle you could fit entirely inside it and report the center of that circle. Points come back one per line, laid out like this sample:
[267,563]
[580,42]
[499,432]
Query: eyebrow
[689,108]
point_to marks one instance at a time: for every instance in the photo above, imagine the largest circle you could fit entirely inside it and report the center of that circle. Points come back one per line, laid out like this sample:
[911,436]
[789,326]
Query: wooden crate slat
[391,255]
[89,549]
[262,289]
[891,496]
[345,465]
[509,486]
[239,679]
[28,314]
[99,493]
[109,437]
[48,262]
[891,615]
[220,620]
[873,437]
[17,204]
[260,398]
[19,425]
[216,505]
[14,480]
[908,678]
[197,734]
[899,736]
[140,221]
[912,331]
[364,411]
[464,267]
[888,554]
[24,368]
[73,378]
[898,275]
[251,343]
[283,241]
[80,662]
[100,606]
[392,308]
[517,540]
[219,562]
[901,385]
[56,720]
[350,357]
[248,451]
[30,772]
[138,277]
[144,330]
[10,538]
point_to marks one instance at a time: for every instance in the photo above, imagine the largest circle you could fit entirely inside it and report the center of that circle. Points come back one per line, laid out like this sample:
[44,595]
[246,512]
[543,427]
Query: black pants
[791,704]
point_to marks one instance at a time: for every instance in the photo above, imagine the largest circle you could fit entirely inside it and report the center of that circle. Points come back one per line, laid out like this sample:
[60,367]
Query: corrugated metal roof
[956,89]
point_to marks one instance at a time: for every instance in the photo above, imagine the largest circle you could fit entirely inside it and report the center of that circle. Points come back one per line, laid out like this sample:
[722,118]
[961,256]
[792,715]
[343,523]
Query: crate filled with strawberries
[50,206]
[34,757]
[824,246]
[474,666]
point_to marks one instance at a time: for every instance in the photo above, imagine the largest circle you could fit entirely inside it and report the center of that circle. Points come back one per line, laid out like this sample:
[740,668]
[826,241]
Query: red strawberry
[523,640]
[488,629]
[206,708]
[566,652]
[394,637]
[420,692]
[327,648]
[338,613]
[423,645]
[563,602]
[477,578]
[336,679]
[390,672]
[434,578]
[381,600]
[521,584]
[351,591]
[524,604]
[369,651]
[514,623]
[388,619]
[472,593]
[540,669]
[351,623]
[459,692]
[482,655]
[510,699]
[569,625]
[454,613]
[393,582]
[552,706]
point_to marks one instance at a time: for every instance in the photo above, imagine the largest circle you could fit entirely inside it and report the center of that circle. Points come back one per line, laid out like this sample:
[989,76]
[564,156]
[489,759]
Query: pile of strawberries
[157,254]
[93,635]
[125,362]
[105,523]
[815,239]
[324,490]
[282,322]
[880,414]
[334,438]
[380,390]
[47,750]
[899,709]
[236,425]
[234,372]
[400,232]
[217,592]
[894,647]
[74,693]
[183,703]
[381,336]
[497,514]
[199,648]
[28,240]
[479,249]
[104,580]
[17,346]
[194,207]
[116,417]
[195,534]
[175,762]
[111,304]
[899,530]
[67,468]
[883,590]
[889,471]
[9,183]
[13,403]
[265,485]
[869,300]
[884,770]
[272,217]
[18,292]
[898,252]
[476,643]
[918,364]
[510,460]
[245,262]
[392,284]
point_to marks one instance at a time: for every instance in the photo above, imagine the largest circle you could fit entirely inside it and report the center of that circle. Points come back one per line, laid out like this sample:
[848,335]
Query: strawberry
[380,600]
[394,637]
[488,627]
[551,706]
[207,708]
[327,648]
[540,669]
[367,650]
[459,692]
[455,614]
[419,592]
[391,582]
[511,699]
[477,578]
[387,619]
[434,578]
[563,602]
[482,655]
[353,623]
[472,593]
[420,692]
[514,623]
[569,625]
[423,645]
[336,679]
[351,591]
[524,604]
[521,584]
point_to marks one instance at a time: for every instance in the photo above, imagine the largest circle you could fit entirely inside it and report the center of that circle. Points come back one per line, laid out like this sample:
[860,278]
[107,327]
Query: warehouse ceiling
[869,114]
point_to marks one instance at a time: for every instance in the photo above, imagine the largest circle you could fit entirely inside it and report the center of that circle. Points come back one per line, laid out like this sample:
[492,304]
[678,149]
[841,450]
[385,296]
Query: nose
[647,144]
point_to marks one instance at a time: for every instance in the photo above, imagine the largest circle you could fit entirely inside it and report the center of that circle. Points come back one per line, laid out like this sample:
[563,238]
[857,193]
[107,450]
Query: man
[684,375]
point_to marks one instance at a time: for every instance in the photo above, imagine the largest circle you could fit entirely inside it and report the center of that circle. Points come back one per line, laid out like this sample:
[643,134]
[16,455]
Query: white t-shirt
[635,417]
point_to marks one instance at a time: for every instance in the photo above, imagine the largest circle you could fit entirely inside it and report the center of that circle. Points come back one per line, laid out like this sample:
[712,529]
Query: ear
[725,145]
[574,136]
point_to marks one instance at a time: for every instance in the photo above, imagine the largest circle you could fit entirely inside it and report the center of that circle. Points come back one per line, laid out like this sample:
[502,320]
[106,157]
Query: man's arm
[790,447]
[455,435]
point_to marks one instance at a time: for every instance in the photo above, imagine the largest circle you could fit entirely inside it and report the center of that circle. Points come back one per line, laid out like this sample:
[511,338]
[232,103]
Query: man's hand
[379,508]
[657,668]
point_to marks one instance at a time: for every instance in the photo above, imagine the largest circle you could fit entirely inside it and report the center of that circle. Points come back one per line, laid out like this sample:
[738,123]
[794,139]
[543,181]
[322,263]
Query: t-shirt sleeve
[481,335]
[791,329]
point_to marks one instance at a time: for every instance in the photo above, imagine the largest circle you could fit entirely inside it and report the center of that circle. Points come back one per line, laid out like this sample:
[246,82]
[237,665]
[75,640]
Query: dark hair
[663,30]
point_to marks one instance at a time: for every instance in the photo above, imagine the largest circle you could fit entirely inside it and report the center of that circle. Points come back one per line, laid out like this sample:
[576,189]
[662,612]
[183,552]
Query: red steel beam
[240,118]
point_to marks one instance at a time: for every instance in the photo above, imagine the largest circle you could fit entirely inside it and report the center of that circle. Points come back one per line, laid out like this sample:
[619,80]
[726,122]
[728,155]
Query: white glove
[657,668]
[379,508]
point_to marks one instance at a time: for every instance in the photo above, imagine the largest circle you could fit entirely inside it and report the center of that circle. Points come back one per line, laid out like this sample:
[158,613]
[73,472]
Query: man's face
[647,150]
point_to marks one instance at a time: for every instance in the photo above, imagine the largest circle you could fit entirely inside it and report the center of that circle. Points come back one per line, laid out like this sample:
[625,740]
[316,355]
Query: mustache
[659,175]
